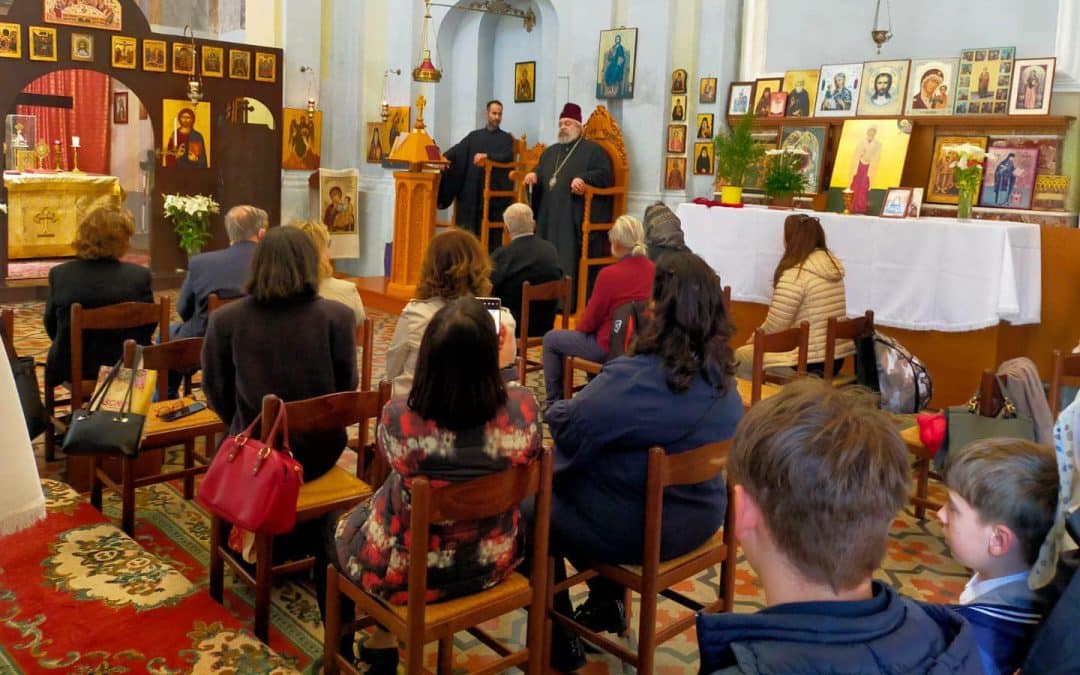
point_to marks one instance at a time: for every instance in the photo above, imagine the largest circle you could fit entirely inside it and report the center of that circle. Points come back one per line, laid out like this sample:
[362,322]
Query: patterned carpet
[917,560]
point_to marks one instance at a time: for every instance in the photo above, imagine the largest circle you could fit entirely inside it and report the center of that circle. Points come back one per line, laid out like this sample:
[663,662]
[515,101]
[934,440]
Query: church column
[301,37]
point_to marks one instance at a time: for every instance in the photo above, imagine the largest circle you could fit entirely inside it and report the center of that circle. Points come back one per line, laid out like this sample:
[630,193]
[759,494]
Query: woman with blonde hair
[454,266]
[808,285]
[338,290]
[628,280]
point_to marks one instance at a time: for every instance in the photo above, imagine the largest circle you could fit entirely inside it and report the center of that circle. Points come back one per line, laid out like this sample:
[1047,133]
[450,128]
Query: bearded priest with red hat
[558,183]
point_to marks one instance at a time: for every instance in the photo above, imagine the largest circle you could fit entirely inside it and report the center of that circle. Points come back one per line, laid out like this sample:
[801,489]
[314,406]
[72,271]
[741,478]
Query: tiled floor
[917,560]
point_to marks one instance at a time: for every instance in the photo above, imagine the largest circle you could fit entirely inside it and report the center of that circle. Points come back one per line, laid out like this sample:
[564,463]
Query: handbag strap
[99,395]
[1008,408]
[126,404]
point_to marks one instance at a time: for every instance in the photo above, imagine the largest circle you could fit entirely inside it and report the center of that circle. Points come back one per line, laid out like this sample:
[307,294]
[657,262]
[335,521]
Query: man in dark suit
[223,272]
[526,258]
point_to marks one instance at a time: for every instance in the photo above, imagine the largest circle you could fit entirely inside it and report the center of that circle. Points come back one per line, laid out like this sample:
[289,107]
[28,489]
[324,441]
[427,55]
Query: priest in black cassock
[559,182]
[464,179]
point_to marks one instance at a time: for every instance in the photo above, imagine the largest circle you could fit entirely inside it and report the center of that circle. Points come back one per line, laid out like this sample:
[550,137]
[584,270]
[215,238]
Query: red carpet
[79,596]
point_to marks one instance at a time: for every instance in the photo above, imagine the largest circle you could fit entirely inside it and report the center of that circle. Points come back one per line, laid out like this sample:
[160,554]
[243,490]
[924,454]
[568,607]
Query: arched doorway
[115,138]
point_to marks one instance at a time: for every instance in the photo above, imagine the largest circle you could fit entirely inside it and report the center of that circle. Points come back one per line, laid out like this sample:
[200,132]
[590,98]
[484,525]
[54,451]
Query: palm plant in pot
[736,152]
[784,177]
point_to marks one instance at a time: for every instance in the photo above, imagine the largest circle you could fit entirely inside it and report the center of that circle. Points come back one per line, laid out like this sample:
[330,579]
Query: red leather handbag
[252,485]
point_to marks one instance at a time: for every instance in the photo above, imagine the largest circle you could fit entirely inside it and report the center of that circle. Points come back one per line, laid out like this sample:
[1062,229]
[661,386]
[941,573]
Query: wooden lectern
[415,194]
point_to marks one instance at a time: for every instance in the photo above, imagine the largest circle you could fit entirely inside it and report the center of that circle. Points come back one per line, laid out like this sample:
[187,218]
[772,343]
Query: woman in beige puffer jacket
[808,285]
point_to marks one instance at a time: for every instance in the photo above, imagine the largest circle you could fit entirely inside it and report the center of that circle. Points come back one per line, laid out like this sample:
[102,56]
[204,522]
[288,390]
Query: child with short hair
[819,474]
[1003,495]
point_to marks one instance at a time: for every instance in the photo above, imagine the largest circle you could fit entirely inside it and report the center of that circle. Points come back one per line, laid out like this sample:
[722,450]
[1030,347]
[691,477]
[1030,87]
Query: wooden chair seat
[442,619]
[337,488]
[714,547]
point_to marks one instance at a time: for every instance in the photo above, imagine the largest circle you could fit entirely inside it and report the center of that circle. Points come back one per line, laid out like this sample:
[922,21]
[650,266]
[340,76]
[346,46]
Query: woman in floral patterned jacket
[459,422]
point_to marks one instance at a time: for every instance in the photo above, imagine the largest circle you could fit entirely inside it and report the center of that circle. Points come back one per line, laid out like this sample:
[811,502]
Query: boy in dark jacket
[818,474]
[1003,495]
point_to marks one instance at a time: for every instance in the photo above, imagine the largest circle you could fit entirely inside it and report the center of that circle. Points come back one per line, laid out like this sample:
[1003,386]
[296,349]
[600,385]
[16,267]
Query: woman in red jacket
[628,280]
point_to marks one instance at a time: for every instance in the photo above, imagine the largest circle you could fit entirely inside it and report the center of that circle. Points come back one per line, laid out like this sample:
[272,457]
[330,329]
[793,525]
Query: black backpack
[626,322]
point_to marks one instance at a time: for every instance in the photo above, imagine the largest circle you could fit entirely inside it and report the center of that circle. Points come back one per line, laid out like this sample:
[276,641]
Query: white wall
[804,34]
[512,45]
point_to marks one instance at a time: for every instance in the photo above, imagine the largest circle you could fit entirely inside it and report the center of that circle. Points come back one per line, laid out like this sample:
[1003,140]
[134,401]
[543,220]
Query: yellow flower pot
[730,194]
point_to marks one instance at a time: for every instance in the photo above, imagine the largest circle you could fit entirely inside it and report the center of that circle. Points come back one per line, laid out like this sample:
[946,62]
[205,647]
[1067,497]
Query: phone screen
[494,308]
[189,409]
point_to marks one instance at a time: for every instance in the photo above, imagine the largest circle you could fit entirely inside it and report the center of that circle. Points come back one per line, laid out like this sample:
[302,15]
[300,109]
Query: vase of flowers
[967,175]
[784,177]
[190,215]
[736,151]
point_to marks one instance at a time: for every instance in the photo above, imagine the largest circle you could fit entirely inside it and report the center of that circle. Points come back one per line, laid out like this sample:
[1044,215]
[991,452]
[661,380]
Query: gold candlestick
[75,159]
[58,157]
[849,197]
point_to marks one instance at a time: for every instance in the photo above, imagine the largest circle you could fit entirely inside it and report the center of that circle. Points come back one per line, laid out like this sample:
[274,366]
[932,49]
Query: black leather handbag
[26,384]
[94,431]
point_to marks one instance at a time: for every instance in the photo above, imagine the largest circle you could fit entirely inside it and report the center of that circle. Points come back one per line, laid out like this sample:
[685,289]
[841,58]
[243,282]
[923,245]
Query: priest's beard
[569,135]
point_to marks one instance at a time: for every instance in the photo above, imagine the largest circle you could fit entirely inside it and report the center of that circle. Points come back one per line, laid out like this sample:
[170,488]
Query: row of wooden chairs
[417,623]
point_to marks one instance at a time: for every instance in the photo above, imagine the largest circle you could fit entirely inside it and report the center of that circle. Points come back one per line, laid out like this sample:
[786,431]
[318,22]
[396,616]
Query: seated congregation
[658,468]
[460,511]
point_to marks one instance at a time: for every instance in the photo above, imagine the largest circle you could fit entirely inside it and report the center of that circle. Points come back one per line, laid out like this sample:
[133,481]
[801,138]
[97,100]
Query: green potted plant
[736,152]
[784,177]
[190,215]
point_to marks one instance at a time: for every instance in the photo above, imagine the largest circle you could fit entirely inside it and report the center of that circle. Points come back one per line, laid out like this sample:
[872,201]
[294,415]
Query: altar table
[925,274]
[44,210]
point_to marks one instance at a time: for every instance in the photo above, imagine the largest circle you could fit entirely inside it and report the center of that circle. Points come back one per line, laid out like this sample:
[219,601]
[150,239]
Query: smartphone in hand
[494,308]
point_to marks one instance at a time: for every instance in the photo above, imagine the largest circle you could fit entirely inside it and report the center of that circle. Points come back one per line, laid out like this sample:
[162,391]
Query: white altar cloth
[916,274]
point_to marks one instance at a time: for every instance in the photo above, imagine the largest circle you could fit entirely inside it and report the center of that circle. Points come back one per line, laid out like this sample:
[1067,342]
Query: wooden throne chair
[602,129]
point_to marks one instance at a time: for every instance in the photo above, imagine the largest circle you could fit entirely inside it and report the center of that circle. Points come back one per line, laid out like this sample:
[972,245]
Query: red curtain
[88,118]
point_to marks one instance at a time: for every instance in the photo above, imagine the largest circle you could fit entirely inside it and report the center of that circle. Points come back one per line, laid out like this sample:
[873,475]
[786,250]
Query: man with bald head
[222,272]
[558,183]
[526,258]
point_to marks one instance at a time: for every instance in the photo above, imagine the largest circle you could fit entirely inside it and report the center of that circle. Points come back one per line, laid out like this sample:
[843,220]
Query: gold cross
[44,219]
[420,103]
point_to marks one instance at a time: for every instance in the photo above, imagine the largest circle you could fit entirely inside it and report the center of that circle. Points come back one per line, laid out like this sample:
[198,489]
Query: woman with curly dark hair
[676,389]
[454,266]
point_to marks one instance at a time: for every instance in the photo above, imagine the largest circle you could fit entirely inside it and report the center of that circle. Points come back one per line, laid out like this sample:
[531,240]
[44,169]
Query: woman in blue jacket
[676,390]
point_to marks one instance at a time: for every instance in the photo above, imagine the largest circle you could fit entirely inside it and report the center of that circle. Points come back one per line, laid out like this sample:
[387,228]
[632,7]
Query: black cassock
[559,212]
[464,180]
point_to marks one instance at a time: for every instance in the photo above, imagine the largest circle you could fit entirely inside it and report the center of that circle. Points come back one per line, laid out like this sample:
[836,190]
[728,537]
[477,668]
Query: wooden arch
[245,160]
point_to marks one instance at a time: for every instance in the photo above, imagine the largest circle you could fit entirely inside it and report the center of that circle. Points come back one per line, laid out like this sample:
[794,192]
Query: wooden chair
[550,291]
[7,326]
[158,434]
[574,363]
[215,302]
[417,623]
[727,301]
[1065,365]
[839,328]
[365,340]
[526,162]
[602,129]
[121,316]
[797,337]
[371,467]
[655,578]
[336,489]
[990,401]
[493,221]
